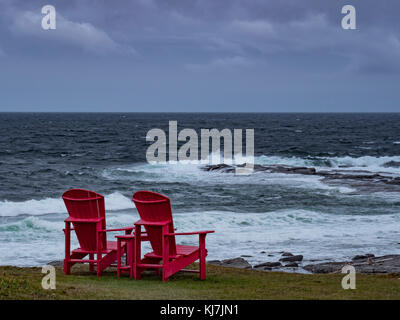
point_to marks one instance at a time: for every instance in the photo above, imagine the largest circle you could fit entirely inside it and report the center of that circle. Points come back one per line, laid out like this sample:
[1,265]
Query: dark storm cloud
[279,42]
[242,29]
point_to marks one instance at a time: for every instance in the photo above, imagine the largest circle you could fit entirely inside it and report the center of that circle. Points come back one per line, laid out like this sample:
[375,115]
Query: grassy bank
[221,283]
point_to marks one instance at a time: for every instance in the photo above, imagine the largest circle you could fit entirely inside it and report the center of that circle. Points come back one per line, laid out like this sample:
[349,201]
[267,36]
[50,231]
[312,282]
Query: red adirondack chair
[156,217]
[87,215]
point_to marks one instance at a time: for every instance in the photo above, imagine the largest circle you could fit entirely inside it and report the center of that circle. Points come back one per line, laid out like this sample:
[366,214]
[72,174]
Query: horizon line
[212,112]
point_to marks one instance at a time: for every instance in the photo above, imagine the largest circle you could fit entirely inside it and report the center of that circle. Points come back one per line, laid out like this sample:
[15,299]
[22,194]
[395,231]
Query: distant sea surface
[352,207]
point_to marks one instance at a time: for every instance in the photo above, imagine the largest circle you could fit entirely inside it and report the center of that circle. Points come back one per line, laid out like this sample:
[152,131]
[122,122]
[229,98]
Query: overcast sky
[200,55]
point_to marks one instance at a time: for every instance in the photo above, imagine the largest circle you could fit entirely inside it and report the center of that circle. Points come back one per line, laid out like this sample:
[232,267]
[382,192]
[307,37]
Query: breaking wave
[114,202]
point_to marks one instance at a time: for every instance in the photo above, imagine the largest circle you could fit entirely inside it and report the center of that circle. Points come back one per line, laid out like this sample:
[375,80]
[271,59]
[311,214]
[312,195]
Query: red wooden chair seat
[181,250]
[111,245]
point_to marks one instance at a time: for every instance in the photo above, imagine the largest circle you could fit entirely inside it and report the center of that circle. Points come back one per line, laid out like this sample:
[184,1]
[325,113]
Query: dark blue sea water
[350,206]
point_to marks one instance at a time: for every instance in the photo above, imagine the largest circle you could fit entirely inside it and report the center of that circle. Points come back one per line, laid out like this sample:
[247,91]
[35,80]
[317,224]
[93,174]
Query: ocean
[351,206]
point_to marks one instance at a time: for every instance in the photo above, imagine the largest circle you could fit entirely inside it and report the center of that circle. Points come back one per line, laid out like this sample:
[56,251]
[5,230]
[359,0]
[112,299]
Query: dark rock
[363,257]
[291,265]
[271,255]
[216,167]
[383,264]
[304,170]
[358,179]
[56,263]
[328,267]
[268,264]
[287,254]
[234,263]
[262,252]
[292,258]
[245,256]
[214,262]
[392,164]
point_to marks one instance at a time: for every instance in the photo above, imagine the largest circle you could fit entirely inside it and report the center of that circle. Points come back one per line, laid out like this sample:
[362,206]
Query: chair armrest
[70,219]
[132,236]
[150,223]
[189,233]
[119,229]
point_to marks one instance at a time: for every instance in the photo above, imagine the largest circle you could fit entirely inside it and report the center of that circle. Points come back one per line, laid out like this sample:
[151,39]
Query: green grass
[221,283]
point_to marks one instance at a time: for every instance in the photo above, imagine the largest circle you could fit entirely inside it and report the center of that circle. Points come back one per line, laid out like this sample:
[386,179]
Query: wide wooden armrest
[189,233]
[71,219]
[143,237]
[119,229]
[151,223]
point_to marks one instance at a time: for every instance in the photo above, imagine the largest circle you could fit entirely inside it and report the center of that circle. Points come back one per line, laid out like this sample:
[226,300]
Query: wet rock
[383,264]
[292,258]
[216,167]
[56,263]
[392,164]
[357,179]
[233,263]
[363,256]
[291,265]
[268,264]
[328,267]
[287,254]
[245,256]
[214,262]
[263,252]
[304,170]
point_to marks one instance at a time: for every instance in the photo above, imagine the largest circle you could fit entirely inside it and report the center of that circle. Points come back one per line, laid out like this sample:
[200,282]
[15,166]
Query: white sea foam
[115,201]
[369,163]
[192,173]
[316,235]
[181,171]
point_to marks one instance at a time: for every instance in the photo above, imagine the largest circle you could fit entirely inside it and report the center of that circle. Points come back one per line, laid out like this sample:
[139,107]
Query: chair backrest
[88,206]
[154,207]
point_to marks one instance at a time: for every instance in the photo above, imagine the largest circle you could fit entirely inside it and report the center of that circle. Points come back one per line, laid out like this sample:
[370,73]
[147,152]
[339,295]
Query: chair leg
[99,270]
[130,257]
[67,267]
[165,253]
[137,273]
[91,264]
[202,267]
[202,240]
[67,233]
[118,257]
[164,277]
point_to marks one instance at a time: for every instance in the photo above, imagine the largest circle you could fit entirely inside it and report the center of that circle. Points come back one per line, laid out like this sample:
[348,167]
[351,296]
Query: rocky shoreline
[367,264]
[357,179]
[288,262]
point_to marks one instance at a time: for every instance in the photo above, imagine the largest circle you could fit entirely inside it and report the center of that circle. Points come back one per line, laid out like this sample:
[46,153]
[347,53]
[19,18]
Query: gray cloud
[233,28]
[81,34]
[226,63]
[260,48]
